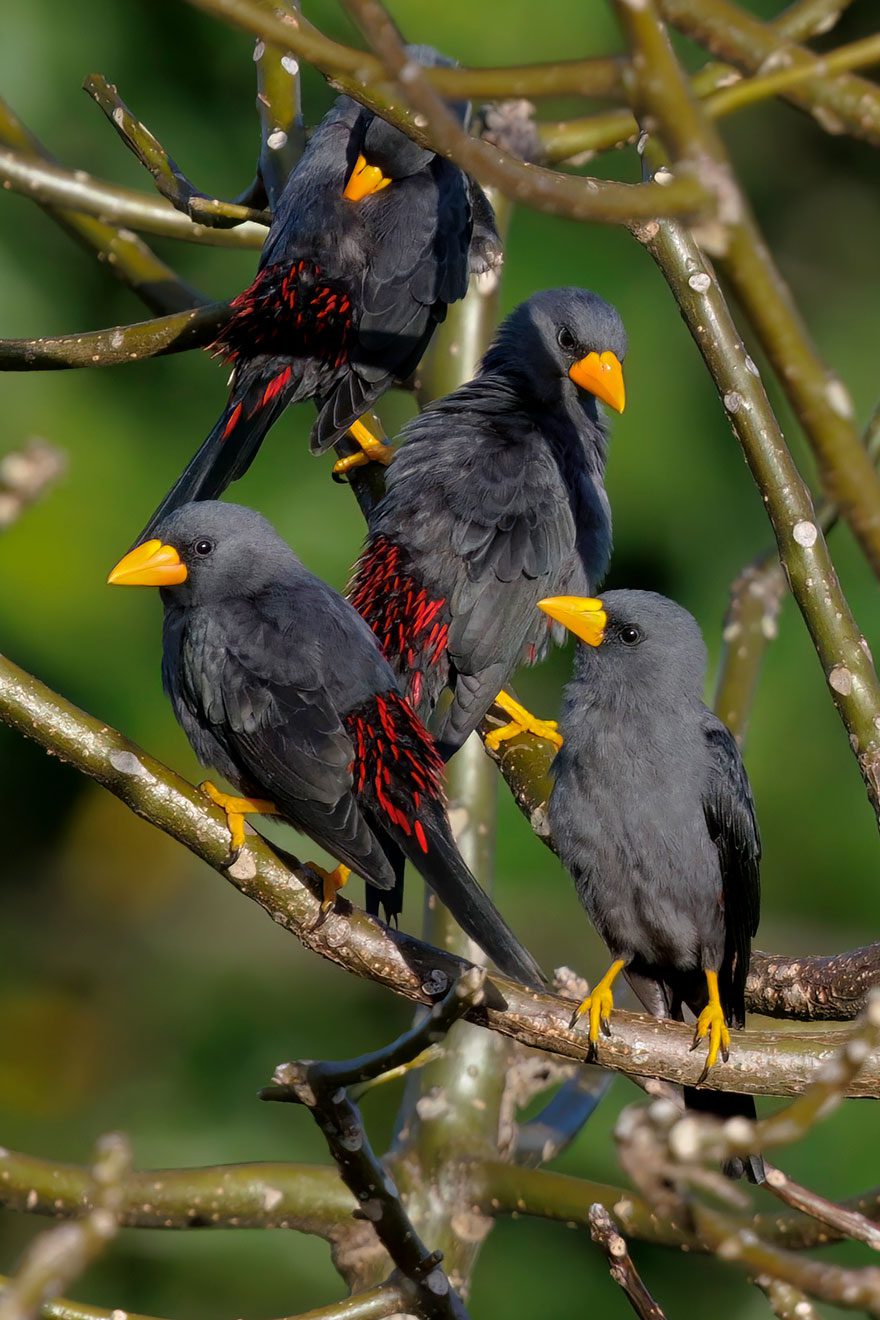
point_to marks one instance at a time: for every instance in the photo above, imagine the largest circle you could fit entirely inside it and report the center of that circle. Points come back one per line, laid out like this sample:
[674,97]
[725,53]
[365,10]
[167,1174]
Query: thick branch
[802,548]
[761,1063]
[303,1197]
[194,328]
[843,104]
[279,105]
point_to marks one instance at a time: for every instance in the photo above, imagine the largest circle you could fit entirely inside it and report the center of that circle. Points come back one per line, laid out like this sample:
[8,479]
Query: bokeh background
[139,991]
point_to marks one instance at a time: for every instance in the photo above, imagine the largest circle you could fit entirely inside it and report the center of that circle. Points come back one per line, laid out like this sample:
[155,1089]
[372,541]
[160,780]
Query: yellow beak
[365,180]
[149,565]
[602,375]
[582,615]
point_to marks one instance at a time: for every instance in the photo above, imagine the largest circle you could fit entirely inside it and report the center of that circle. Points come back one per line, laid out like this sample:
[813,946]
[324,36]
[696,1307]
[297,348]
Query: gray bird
[280,685]
[652,814]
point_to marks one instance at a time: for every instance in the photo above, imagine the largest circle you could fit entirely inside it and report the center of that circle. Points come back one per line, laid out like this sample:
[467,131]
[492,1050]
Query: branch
[62,1308]
[620,1266]
[786,1302]
[130,260]
[810,18]
[25,475]
[347,68]
[843,1221]
[832,988]
[365,947]
[321,1087]
[306,1198]
[197,327]
[842,104]
[75,190]
[167,175]
[59,1255]
[802,548]
[279,105]
[545,190]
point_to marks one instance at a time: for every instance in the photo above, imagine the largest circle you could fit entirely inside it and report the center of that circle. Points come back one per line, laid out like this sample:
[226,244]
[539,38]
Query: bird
[372,238]
[280,686]
[652,814]
[496,498]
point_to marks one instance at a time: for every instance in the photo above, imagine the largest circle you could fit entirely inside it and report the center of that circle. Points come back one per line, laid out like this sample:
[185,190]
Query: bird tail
[259,396]
[432,850]
[724,1105]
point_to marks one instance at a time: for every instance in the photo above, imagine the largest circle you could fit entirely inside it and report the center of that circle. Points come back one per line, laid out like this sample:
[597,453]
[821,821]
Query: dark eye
[203,546]
[565,339]
[630,635]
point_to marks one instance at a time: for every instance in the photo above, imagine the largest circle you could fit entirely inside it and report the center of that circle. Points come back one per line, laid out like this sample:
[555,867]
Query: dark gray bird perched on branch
[280,685]
[495,499]
[373,237]
[652,815]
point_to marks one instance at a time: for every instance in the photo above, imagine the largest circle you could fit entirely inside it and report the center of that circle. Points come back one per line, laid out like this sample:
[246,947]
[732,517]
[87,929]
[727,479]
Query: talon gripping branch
[373,237]
[280,685]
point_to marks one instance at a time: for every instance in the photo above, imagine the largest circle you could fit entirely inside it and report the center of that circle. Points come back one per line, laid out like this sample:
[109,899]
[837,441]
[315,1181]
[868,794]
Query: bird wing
[258,687]
[730,816]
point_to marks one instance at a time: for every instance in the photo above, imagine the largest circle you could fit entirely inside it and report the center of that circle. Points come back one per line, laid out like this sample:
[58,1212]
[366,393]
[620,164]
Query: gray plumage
[653,816]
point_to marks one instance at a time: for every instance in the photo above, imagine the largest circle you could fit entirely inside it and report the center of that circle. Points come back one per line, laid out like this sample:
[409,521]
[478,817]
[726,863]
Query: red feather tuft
[288,311]
[396,764]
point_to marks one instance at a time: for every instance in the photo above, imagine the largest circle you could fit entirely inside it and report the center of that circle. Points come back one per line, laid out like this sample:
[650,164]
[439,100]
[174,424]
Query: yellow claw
[332,882]
[236,809]
[371,451]
[599,1004]
[711,1023]
[521,721]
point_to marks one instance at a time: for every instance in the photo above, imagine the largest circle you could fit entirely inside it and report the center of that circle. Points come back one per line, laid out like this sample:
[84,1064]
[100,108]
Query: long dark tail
[258,399]
[727,1104]
[442,866]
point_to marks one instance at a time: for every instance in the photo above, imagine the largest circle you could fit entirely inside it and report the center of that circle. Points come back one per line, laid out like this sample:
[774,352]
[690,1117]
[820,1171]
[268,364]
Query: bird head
[567,340]
[207,552]
[633,640]
[386,154]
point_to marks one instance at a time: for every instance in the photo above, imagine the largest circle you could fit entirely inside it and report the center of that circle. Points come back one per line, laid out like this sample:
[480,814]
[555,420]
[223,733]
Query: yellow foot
[711,1023]
[332,883]
[599,1004]
[371,451]
[521,721]
[236,809]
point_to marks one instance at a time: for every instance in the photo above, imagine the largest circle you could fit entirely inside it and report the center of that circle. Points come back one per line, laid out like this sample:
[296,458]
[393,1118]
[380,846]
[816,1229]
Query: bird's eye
[203,546]
[565,339]
[630,635]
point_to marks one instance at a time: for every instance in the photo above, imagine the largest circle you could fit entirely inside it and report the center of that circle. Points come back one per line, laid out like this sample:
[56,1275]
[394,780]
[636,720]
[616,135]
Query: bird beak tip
[584,616]
[150,564]
[601,374]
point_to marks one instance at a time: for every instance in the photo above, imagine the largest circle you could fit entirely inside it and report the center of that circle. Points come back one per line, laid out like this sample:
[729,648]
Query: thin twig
[842,1220]
[25,476]
[321,1087]
[124,254]
[279,106]
[167,175]
[620,1266]
[786,1302]
[75,190]
[61,1254]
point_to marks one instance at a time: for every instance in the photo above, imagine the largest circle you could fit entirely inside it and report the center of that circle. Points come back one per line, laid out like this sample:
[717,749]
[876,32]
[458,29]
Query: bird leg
[236,809]
[332,882]
[711,1022]
[599,1003]
[371,450]
[521,721]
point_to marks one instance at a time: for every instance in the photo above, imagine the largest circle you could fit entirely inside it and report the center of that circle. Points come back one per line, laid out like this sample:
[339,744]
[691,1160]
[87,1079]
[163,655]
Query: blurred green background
[139,991]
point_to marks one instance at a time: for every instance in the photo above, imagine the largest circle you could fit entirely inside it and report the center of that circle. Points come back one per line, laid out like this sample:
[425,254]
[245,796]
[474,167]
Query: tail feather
[232,445]
[443,867]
